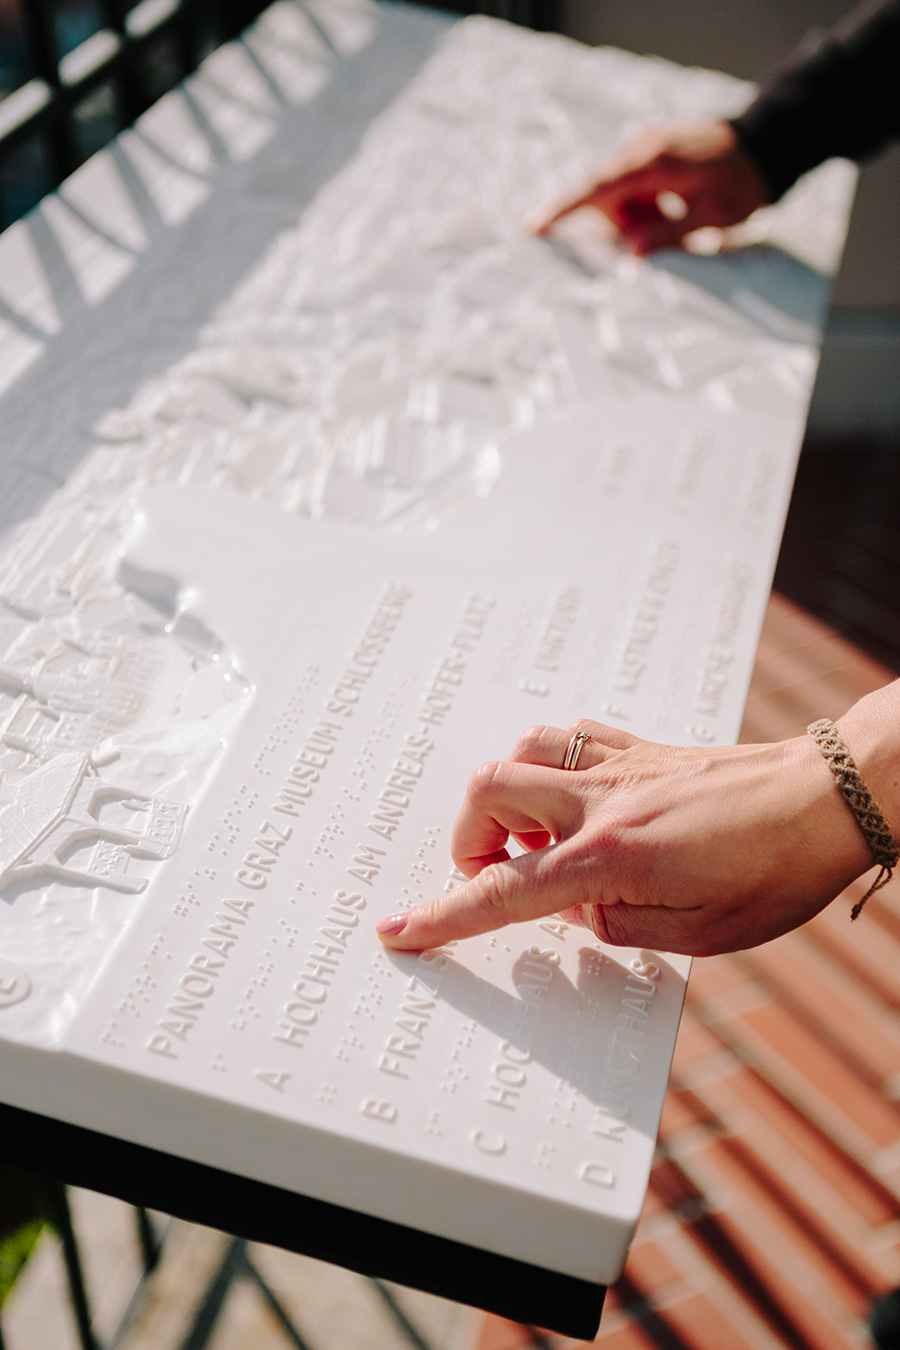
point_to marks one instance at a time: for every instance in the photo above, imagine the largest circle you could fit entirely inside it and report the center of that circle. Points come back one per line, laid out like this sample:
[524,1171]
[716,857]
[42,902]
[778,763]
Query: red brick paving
[773,1214]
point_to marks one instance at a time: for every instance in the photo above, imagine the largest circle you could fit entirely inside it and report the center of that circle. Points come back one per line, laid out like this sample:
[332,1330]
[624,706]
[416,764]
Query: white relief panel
[533,1061]
[422,480]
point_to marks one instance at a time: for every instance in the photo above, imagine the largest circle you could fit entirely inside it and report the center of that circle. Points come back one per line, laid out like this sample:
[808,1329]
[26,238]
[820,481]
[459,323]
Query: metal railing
[77,72]
[73,73]
[48,1202]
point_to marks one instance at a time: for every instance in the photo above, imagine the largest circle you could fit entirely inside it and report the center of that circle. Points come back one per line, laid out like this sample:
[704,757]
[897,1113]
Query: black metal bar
[217,1291]
[189,28]
[150,1241]
[410,1331]
[61,1217]
[40,35]
[128,75]
[250,1272]
[156,1244]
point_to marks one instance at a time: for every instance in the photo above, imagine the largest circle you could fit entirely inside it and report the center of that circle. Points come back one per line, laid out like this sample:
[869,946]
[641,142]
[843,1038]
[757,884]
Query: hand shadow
[608,1036]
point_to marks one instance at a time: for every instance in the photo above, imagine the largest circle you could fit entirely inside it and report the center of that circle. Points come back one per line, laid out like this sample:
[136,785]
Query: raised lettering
[379,1110]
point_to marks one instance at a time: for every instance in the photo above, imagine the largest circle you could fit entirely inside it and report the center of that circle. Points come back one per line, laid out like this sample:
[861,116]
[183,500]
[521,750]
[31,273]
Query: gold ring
[574,749]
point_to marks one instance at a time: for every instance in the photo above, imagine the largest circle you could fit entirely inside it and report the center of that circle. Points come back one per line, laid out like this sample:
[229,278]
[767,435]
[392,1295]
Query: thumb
[528,887]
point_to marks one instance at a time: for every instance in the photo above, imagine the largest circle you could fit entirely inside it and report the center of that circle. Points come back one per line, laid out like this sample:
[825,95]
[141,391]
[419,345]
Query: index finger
[638,186]
[529,887]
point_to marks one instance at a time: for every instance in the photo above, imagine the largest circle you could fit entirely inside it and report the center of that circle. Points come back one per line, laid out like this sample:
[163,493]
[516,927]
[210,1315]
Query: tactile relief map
[370,369]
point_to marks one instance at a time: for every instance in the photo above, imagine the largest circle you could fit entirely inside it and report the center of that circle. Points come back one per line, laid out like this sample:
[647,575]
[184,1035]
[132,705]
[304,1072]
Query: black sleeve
[842,99]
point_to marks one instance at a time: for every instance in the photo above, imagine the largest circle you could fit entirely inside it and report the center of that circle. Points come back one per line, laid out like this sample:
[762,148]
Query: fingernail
[393,925]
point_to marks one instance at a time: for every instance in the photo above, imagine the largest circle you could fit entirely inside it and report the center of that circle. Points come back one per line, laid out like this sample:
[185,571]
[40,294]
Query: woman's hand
[703,163]
[681,849]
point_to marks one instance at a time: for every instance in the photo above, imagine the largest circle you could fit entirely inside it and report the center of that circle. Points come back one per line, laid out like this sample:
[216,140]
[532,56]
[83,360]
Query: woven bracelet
[861,802]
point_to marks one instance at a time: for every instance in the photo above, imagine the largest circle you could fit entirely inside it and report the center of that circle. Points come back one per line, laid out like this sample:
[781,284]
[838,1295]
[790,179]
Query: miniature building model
[65,822]
[70,697]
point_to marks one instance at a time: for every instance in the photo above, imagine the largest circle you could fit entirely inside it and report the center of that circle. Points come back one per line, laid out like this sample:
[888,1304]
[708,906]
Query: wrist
[837,851]
[871,732]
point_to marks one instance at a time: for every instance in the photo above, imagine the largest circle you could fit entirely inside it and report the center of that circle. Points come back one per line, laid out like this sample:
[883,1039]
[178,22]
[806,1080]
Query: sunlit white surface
[405,384]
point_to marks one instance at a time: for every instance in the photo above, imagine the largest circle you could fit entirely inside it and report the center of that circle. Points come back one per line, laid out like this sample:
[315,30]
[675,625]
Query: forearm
[839,101]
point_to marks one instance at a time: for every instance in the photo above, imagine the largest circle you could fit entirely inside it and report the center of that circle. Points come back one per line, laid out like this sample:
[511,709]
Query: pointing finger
[621,194]
[600,198]
[512,891]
